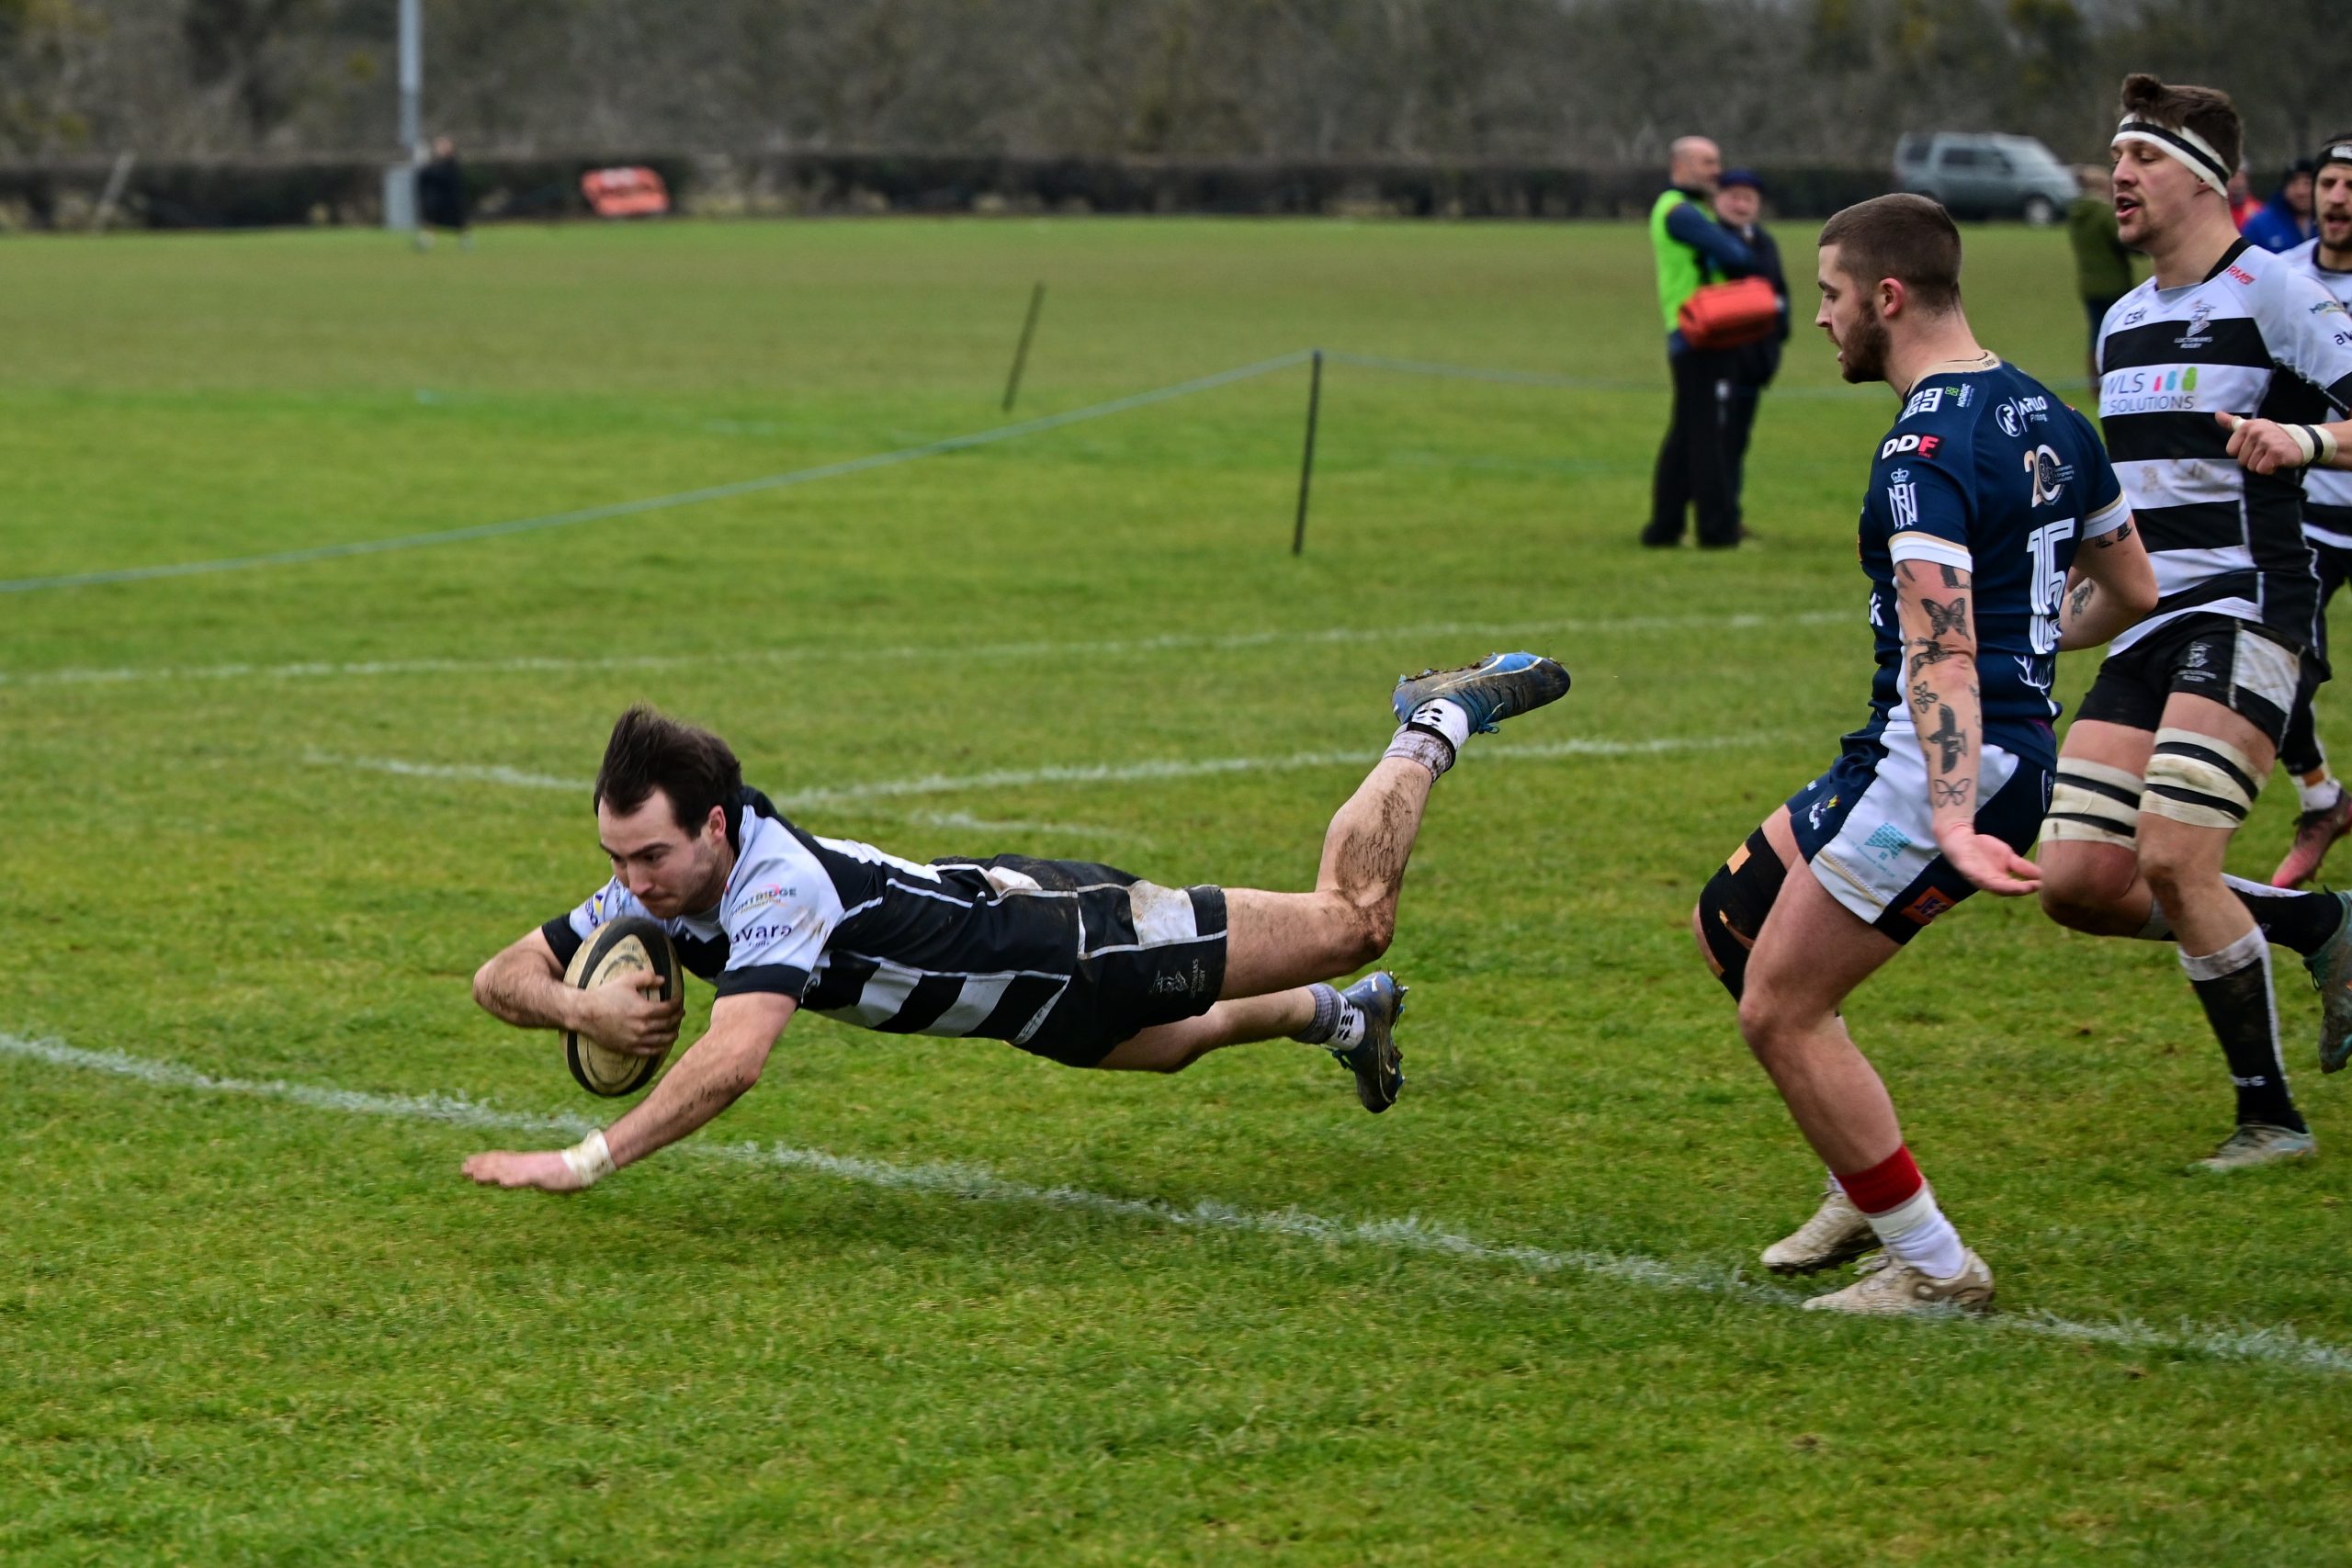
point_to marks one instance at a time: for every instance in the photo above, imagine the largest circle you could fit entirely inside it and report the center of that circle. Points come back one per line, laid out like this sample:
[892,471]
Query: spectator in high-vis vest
[1693,464]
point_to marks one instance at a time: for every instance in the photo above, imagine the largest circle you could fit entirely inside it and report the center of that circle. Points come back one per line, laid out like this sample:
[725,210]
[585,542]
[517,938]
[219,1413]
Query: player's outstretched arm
[1940,662]
[2111,588]
[2265,447]
[523,984]
[717,1071]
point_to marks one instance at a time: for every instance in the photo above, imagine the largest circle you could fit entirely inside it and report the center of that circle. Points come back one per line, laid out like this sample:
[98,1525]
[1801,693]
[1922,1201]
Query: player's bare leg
[2104,878]
[1808,957]
[1283,948]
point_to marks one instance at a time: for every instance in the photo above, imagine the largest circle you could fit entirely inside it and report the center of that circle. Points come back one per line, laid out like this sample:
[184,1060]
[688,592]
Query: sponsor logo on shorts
[1887,843]
[1923,445]
[1813,816]
[1925,907]
[1178,983]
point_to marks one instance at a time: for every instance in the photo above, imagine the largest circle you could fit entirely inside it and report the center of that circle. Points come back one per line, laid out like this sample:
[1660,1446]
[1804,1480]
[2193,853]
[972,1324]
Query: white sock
[1917,1233]
[1447,718]
[2320,796]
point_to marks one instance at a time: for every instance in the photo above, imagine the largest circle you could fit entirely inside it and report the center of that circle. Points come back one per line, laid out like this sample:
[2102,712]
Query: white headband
[2185,144]
[2337,152]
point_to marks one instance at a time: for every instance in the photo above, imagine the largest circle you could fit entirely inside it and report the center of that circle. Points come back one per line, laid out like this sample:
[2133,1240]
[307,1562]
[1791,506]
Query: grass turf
[240,1327]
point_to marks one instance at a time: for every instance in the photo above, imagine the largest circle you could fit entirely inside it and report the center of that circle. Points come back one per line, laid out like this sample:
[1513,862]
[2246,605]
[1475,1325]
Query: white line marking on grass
[1080,773]
[662,503]
[2279,1345]
[834,654]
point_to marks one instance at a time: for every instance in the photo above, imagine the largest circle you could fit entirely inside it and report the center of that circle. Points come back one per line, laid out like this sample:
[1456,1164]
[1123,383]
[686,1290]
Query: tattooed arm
[2111,586]
[1939,664]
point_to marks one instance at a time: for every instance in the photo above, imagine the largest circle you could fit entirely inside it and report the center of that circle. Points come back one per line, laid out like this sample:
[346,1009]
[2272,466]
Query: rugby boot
[1378,1065]
[2315,832]
[2256,1143]
[2331,969]
[1838,1233]
[1889,1289]
[1497,687]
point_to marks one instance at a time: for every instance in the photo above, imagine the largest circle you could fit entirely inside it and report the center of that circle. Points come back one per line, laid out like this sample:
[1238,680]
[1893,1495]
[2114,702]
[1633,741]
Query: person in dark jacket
[442,199]
[1739,204]
[2285,221]
[2103,271]
[1692,251]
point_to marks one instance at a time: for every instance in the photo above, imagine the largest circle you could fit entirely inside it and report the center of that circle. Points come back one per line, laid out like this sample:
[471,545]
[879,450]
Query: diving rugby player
[1078,963]
[2214,376]
[1981,495]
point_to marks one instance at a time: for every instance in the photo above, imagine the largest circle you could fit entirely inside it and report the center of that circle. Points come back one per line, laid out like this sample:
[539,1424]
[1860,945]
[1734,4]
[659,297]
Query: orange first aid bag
[1729,315]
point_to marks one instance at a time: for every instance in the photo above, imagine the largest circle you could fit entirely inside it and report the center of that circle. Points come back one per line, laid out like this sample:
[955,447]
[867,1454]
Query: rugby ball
[631,945]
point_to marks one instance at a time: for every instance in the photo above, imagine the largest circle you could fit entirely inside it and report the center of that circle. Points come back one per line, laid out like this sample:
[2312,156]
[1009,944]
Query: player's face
[1738,205]
[1850,317]
[669,870]
[2332,200]
[2153,192]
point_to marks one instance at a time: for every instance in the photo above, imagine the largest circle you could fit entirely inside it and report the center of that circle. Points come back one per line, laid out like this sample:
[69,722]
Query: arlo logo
[1923,445]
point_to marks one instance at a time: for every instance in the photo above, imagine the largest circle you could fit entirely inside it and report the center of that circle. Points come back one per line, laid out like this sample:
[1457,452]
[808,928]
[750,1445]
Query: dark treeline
[1596,82]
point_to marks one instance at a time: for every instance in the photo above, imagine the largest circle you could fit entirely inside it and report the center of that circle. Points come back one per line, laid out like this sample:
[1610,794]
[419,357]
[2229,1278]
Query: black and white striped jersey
[2327,492]
[2255,336]
[857,933]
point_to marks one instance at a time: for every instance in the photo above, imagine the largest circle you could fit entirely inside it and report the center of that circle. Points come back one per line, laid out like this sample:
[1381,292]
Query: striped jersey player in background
[1981,496]
[1081,963]
[2216,375]
[2326,808]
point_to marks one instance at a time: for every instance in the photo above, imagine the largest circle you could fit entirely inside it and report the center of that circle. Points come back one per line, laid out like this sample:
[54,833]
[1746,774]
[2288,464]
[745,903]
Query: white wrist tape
[2322,443]
[589,1160]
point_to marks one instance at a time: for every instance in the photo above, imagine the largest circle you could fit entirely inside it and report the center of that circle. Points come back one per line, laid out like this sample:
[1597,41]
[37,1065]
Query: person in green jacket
[1692,250]
[2102,267]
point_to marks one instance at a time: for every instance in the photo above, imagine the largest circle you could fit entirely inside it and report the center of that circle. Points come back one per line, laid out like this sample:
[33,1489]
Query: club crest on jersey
[1923,445]
[2196,336]
[1902,498]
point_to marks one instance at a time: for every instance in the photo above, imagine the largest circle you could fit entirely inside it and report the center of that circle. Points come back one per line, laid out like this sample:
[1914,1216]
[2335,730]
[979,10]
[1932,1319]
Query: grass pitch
[936,1302]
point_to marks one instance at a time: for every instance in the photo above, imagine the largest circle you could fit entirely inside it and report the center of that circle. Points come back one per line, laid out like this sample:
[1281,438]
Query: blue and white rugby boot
[2331,969]
[1500,686]
[1378,1065]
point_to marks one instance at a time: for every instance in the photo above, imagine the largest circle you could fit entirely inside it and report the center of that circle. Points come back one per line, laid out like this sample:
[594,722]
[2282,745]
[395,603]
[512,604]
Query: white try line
[1080,773]
[835,654]
[2281,1345]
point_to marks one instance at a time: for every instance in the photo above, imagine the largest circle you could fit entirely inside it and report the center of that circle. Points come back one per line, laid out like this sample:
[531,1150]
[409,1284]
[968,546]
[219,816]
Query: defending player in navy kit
[1081,963]
[2176,736]
[1979,499]
[2325,809]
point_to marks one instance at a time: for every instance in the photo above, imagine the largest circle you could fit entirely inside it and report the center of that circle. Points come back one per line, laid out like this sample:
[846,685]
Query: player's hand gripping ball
[628,947]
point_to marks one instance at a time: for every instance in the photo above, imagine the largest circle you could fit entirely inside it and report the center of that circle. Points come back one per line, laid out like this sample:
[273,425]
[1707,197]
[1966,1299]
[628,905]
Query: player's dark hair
[2205,110]
[648,752]
[1905,237]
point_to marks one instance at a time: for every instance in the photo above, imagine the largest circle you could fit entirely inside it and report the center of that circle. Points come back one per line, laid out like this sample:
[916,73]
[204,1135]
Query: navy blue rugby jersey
[1990,473]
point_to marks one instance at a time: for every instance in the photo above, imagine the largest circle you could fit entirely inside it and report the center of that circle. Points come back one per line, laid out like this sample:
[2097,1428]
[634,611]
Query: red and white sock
[1901,1207]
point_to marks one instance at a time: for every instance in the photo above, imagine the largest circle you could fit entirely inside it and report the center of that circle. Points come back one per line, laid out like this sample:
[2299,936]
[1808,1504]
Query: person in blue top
[1980,499]
[1694,463]
[2285,221]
